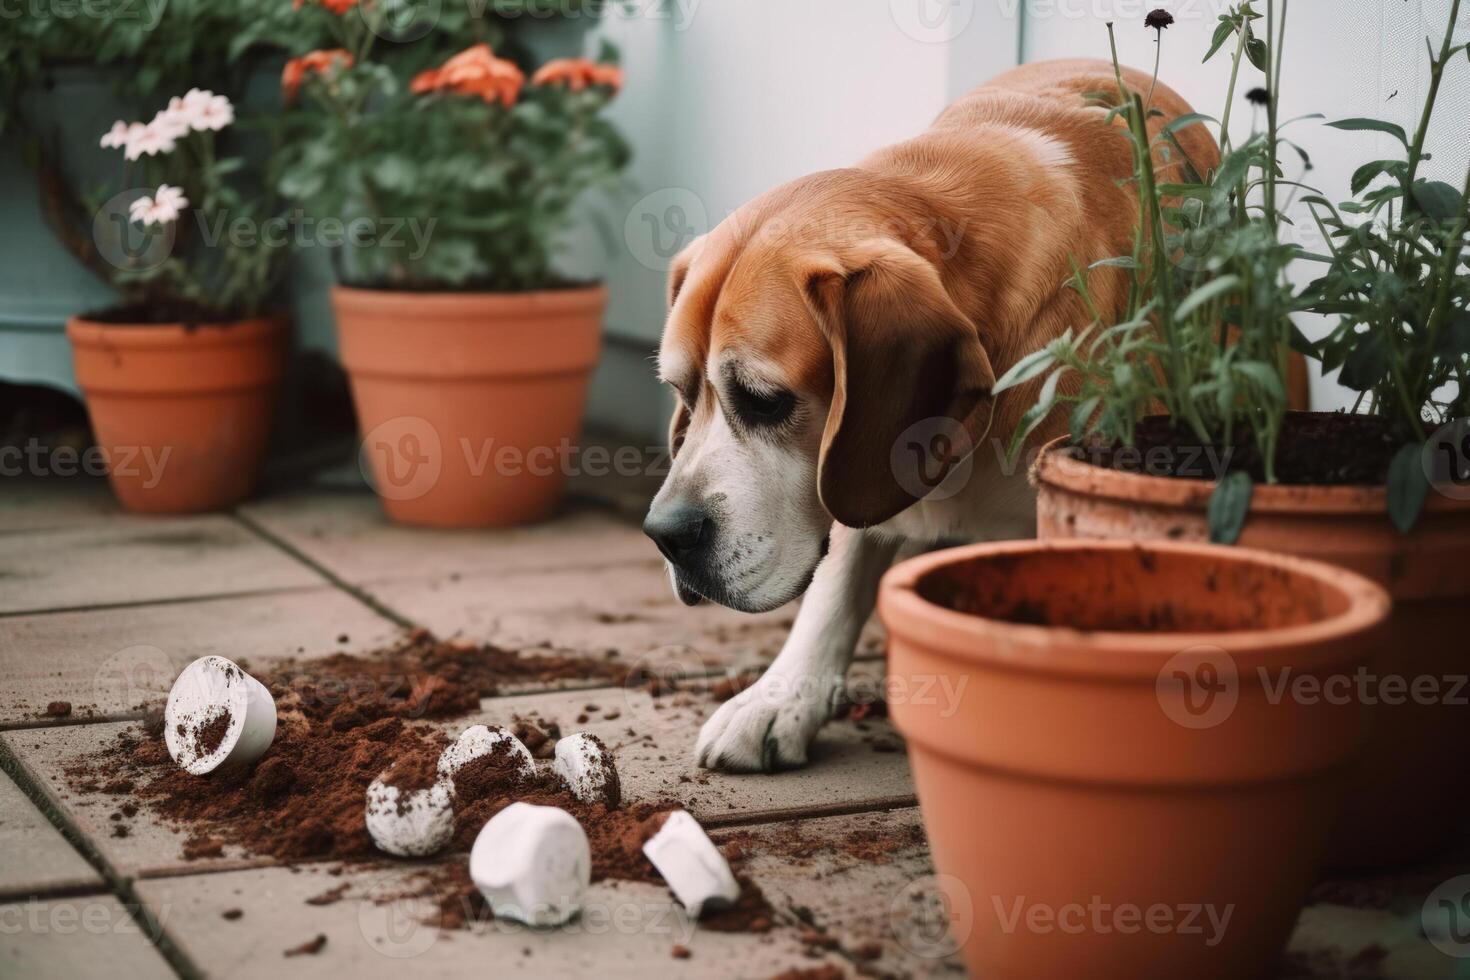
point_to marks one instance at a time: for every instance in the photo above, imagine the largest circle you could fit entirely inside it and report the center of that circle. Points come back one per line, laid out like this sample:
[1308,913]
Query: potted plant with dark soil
[1231,464]
[1118,790]
[468,353]
[180,375]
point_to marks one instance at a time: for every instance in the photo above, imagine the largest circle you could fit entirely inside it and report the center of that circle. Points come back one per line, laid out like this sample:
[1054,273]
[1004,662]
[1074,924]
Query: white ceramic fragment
[480,740]
[533,864]
[584,763]
[696,872]
[213,692]
[409,823]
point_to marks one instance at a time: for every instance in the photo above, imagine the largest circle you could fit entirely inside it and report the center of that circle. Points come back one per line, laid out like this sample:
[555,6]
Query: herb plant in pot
[1116,791]
[1231,464]
[469,356]
[180,376]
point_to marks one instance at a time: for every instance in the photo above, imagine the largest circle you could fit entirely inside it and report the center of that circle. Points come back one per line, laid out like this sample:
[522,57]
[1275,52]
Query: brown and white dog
[819,323]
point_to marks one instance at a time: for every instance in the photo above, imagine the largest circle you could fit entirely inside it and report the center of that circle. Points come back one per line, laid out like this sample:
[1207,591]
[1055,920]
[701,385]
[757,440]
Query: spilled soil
[342,721]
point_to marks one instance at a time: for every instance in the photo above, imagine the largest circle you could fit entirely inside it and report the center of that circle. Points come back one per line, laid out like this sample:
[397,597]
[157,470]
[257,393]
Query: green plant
[1399,284]
[482,165]
[1206,329]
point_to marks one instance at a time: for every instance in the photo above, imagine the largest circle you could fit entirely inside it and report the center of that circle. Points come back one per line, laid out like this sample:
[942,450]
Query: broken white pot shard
[216,715]
[585,764]
[478,741]
[533,864]
[696,872]
[409,823]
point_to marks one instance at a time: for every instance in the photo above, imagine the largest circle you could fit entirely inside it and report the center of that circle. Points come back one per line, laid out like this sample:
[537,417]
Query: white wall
[728,98]
[1343,58]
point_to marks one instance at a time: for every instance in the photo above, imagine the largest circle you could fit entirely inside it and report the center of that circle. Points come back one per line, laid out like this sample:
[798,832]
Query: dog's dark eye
[762,408]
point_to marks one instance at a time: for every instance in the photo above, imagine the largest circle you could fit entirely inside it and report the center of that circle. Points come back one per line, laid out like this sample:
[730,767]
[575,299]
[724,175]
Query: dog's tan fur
[884,295]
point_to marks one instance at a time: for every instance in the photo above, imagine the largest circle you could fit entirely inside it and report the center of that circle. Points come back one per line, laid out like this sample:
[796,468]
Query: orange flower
[578,73]
[338,7]
[474,71]
[316,62]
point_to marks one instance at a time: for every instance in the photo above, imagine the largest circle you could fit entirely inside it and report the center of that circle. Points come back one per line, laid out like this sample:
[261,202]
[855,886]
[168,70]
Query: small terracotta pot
[1099,763]
[181,412]
[1409,796]
[468,402]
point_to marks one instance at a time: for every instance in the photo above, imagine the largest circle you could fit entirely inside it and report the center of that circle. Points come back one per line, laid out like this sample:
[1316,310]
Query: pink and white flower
[165,206]
[156,137]
[120,135]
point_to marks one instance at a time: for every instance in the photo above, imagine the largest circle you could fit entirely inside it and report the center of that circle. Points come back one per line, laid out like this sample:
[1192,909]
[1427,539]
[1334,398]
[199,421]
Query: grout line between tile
[164,601]
[121,886]
[361,595]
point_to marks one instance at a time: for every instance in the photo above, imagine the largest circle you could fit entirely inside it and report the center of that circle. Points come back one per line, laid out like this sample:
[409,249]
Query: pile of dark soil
[342,721]
[1315,448]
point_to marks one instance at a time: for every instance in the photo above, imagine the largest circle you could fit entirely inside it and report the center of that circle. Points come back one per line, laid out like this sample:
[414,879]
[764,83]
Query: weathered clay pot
[1113,758]
[467,401]
[1409,796]
[181,412]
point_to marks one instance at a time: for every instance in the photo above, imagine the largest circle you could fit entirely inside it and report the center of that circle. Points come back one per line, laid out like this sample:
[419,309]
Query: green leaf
[1118,261]
[1364,175]
[1204,294]
[1230,502]
[1255,50]
[1188,119]
[1437,199]
[1265,375]
[1025,369]
[1366,363]
[1360,124]
[1223,32]
[1081,416]
[1454,337]
[1408,485]
[1035,413]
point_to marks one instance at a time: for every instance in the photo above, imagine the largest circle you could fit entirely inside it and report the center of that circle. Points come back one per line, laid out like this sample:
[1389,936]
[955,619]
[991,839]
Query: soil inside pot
[1136,590]
[191,315]
[1315,448]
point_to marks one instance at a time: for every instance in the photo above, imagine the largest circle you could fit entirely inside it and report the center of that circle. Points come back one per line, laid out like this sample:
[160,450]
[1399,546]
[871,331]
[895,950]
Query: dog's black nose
[678,529]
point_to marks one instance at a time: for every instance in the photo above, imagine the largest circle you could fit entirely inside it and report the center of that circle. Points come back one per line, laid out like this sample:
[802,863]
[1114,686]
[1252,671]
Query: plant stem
[1230,92]
[1436,72]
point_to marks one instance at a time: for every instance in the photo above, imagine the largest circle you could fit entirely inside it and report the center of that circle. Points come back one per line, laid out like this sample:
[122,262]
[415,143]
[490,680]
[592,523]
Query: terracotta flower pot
[181,413]
[1409,796]
[468,402]
[1111,782]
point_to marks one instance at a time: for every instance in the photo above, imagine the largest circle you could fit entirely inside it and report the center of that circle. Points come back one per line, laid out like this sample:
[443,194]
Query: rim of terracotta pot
[1057,467]
[228,333]
[1130,654]
[428,303]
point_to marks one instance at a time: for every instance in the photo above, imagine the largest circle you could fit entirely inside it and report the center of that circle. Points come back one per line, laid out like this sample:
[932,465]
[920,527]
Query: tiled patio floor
[89,596]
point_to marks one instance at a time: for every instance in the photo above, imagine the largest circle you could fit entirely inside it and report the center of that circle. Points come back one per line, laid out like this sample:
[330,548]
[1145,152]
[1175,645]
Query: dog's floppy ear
[902,353]
[679,268]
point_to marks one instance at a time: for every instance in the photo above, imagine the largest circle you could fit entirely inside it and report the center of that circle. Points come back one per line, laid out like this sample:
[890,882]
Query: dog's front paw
[768,726]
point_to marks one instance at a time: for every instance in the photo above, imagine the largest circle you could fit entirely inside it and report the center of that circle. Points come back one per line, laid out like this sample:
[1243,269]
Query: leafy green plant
[1206,329]
[1399,285]
[484,164]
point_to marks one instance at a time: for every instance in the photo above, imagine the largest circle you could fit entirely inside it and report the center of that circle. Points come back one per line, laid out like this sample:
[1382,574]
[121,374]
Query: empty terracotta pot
[1112,779]
[182,413]
[1413,774]
[469,402]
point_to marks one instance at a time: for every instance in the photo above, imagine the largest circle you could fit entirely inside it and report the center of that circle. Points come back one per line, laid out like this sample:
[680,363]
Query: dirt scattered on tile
[329,897]
[680,952]
[230,915]
[58,709]
[309,948]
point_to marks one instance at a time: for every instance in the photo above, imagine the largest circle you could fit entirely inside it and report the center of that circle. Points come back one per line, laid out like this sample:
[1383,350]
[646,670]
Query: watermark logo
[132,678]
[932,916]
[1446,459]
[933,458]
[1446,917]
[1198,687]
[127,244]
[661,224]
[401,21]
[932,21]
[402,458]
[397,925]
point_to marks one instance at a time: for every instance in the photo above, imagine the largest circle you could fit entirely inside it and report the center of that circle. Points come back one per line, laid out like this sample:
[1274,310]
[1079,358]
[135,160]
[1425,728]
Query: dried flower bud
[1258,96]
[1158,19]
